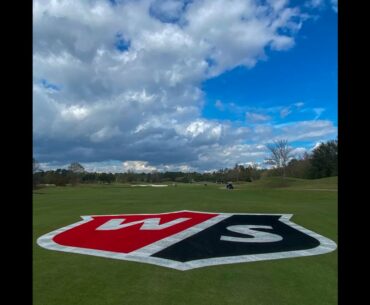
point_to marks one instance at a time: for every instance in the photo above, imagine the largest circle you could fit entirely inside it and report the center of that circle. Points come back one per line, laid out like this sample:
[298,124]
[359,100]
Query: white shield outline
[143,254]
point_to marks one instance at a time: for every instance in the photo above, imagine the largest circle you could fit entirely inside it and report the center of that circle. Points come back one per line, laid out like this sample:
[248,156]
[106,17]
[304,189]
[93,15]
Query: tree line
[62,177]
[321,162]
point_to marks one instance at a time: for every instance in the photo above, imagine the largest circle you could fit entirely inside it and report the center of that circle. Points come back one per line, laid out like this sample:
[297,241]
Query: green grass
[68,279]
[330,183]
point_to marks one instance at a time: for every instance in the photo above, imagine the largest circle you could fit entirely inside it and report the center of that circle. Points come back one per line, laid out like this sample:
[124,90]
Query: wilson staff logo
[185,240]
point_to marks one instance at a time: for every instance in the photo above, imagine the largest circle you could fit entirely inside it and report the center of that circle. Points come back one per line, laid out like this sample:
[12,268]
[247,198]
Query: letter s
[257,236]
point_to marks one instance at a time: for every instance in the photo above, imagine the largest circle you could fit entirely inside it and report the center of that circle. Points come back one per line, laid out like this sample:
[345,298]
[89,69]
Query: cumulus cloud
[167,10]
[138,167]
[298,152]
[121,80]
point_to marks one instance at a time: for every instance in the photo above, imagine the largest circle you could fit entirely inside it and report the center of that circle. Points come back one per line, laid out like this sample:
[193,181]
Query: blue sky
[181,85]
[305,73]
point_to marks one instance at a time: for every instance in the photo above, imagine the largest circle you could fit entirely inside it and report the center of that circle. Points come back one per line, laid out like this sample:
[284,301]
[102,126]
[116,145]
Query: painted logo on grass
[185,240]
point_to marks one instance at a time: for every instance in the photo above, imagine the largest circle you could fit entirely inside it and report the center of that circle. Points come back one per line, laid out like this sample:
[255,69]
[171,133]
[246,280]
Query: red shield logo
[185,239]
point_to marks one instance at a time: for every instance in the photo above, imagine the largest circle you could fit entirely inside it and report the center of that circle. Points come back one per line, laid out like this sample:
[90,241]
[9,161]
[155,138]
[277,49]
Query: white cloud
[318,112]
[306,130]
[75,112]
[256,117]
[298,152]
[319,4]
[299,105]
[277,5]
[219,105]
[314,3]
[138,167]
[144,102]
[285,112]
[199,128]
[167,10]
[105,133]
[334,5]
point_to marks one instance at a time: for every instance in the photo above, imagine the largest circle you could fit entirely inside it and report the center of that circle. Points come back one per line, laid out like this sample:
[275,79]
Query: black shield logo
[186,240]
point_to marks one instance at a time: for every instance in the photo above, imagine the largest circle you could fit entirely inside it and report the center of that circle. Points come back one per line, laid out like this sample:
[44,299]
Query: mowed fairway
[67,279]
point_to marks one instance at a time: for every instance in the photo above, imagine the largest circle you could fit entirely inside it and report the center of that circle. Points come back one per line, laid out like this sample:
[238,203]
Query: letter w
[148,224]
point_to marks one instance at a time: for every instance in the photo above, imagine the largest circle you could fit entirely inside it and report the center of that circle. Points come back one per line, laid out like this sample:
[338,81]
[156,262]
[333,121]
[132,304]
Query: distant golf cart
[229,186]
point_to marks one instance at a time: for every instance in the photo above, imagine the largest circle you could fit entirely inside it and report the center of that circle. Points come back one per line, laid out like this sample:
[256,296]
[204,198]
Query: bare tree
[36,169]
[75,171]
[76,168]
[280,154]
[35,166]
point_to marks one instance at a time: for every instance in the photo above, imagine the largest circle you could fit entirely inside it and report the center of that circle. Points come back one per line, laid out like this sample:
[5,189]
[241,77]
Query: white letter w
[148,224]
